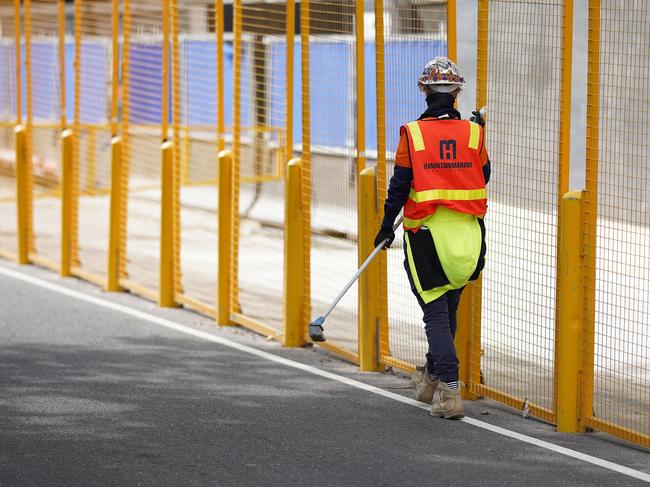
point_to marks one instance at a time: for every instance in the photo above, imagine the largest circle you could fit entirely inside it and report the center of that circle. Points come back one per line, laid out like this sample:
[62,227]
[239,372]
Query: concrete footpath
[94,394]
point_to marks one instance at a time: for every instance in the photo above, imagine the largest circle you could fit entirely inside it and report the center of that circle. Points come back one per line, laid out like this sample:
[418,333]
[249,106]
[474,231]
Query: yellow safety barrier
[305,159]
[202,120]
[224,297]
[42,44]
[569,317]
[66,203]
[9,118]
[334,153]
[263,234]
[262,38]
[94,121]
[615,382]
[167,223]
[423,31]
[22,195]
[368,281]
[294,270]
[115,237]
[518,291]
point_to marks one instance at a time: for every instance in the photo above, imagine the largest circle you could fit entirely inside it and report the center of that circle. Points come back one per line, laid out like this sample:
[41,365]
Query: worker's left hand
[477,118]
[383,234]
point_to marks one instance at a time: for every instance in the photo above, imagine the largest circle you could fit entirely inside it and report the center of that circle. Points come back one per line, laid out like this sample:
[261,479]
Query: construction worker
[441,169]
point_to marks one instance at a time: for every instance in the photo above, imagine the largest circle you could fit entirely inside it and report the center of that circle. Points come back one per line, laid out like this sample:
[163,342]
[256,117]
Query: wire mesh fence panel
[44,129]
[414,33]
[199,144]
[8,118]
[621,233]
[524,74]
[93,96]
[262,155]
[142,113]
[333,167]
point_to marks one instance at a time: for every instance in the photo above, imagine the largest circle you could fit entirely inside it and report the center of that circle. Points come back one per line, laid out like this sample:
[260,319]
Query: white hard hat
[442,75]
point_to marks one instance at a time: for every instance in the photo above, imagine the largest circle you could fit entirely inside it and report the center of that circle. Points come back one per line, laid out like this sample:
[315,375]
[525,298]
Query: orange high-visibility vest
[447,170]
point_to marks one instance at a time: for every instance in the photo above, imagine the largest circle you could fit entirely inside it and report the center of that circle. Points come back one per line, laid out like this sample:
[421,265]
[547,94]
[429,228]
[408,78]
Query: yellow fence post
[176,138]
[115,74]
[463,340]
[18,62]
[361,86]
[76,165]
[591,211]
[22,194]
[290,33]
[187,153]
[167,217]
[452,41]
[305,155]
[564,153]
[569,324]
[369,281]
[29,134]
[218,6]
[224,277]
[66,202]
[62,99]
[294,319]
[115,228]
[237,61]
[360,102]
[380,90]
[91,165]
[468,332]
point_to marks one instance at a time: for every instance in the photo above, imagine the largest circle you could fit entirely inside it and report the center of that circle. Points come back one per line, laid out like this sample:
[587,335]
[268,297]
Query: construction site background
[234,157]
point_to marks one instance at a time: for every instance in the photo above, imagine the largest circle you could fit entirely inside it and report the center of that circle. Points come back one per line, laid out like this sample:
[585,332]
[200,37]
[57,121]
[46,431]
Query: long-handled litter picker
[316,326]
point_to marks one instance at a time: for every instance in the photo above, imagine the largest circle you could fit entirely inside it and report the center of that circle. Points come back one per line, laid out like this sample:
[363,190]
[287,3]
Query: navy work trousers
[440,327]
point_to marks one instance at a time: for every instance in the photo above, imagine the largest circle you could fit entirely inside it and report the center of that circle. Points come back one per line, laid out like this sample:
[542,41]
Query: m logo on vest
[448,149]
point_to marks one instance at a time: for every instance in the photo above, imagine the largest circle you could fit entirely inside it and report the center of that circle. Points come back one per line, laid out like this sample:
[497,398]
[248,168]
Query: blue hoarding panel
[95,82]
[45,81]
[331,83]
[200,61]
[145,87]
[404,101]
[331,93]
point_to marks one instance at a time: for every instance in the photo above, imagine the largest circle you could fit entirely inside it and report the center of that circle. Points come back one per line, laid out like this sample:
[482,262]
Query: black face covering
[441,104]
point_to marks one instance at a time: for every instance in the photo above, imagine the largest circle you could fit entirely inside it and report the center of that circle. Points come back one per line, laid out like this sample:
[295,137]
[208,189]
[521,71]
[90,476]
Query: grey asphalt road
[91,396]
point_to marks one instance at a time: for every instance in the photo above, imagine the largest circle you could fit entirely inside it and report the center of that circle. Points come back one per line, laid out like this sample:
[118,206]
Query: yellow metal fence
[199,145]
[307,101]
[93,126]
[522,69]
[262,120]
[616,341]
[424,35]
[334,167]
[9,119]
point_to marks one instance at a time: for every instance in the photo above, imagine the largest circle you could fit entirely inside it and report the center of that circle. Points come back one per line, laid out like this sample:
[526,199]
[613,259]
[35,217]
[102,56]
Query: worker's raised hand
[477,117]
[383,234]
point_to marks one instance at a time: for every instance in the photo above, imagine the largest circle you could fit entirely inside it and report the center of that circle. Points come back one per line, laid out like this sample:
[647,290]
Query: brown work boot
[447,403]
[423,385]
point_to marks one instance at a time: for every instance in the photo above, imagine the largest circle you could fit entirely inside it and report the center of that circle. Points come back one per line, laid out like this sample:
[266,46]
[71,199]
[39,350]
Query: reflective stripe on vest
[447,194]
[410,223]
[416,136]
[474,134]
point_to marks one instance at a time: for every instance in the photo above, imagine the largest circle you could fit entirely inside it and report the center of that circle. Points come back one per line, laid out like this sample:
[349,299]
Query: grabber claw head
[316,330]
